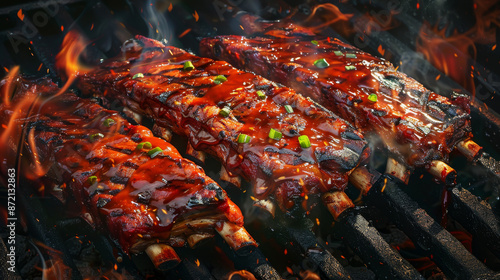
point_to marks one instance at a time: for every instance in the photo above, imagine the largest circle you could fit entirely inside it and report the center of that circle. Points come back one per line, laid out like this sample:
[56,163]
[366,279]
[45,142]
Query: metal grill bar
[365,240]
[255,262]
[189,268]
[300,241]
[448,253]
[477,217]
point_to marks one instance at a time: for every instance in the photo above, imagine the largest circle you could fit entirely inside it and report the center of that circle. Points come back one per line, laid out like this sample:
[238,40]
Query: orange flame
[68,58]
[381,21]
[241,274]
[53,268]
[7,92]
[453,55]
[11,132]
[38,168]
[309,275]
[332,16]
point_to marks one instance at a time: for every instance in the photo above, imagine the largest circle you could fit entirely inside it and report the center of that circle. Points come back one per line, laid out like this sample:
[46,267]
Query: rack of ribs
[418,127]
[127,182]
[290,148]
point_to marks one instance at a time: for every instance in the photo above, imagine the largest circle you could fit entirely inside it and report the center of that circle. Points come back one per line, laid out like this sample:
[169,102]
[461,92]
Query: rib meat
[151,80]
[95,156]
[415,124]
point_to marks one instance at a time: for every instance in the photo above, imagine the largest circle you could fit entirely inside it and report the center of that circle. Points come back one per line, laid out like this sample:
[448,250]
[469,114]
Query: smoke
[154,16]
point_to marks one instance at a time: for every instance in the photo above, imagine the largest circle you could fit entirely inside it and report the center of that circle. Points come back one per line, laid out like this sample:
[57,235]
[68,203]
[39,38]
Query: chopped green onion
[338,53]
[350,67]
[109,122]
[243,138]
[373,97]
[96,136]
[274,134]
[304,141]
[138,75]
[154,152]
[351,55]
[220,79]
[145,145]
[188,66]
[92,180]
[225,111]
[288,109]
[315,42]
[321,63]
[261,94]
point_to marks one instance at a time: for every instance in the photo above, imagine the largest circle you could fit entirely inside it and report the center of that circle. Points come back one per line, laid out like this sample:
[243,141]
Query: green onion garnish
[288,109]
[109,122]
[350,67]
[145,145]
[225,111]
[373,97]
[274,134]
[92,180]
[338,53]
[138,75]
[261,94]
[315,42]
[321,63]
[243,138]
[304,141]
[351,55]
[220,79]
[188,66]
[96,136]
[154,152]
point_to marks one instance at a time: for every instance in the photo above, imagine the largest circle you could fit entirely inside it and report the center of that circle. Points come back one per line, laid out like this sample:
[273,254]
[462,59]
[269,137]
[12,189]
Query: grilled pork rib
[135,186]
[229,114]
[415,124]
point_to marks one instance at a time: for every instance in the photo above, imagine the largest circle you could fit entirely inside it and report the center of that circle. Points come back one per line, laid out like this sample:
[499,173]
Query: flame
[381,21]
[8,90]
[332,16]
[38,168]
[309,275]
[455,54]
[53,268]
[241,274]
[11,132]
[68,58]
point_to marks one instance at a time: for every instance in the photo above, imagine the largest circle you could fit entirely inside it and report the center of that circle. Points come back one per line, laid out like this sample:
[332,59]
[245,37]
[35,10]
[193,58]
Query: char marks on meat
[106,165]
[415,124]
[152,81]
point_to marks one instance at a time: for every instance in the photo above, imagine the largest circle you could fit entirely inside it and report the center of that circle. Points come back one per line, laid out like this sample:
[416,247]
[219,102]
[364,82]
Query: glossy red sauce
[189,102]
[137,199]
[413,132]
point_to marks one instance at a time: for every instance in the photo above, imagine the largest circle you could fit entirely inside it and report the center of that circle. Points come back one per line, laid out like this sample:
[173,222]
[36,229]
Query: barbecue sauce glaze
[189,102]
[415,124]
[137,198]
